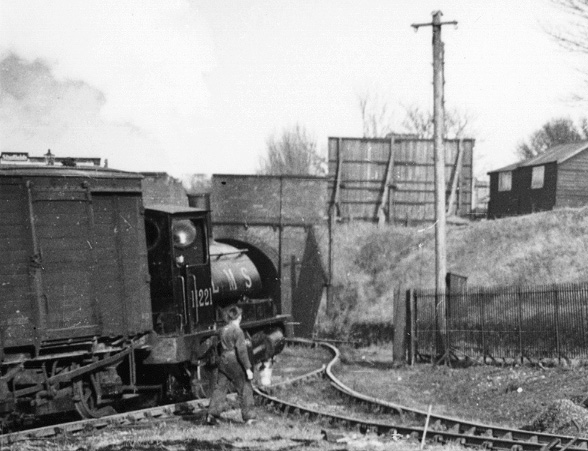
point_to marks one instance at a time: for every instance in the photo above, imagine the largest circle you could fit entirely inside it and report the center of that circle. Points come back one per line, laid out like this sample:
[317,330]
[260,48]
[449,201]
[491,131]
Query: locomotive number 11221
[204,297]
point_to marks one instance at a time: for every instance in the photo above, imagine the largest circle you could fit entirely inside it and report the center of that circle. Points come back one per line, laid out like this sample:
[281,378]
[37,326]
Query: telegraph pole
[440,187]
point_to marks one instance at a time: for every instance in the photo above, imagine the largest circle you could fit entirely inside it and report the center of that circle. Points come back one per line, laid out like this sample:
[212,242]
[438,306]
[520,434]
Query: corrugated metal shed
[396,176]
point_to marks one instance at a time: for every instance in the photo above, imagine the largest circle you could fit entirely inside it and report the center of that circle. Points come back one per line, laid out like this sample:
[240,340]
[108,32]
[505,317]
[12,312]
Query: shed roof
[557,154]
[510,167]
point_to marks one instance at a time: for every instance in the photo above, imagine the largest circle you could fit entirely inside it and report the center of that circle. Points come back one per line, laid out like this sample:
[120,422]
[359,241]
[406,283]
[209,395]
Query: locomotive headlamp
[184,233]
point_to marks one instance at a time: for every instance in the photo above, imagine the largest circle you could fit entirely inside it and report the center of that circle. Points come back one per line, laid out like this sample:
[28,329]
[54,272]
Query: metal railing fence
[523,322]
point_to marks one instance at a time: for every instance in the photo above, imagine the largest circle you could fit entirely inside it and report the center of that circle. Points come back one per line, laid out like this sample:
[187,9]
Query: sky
[199,86]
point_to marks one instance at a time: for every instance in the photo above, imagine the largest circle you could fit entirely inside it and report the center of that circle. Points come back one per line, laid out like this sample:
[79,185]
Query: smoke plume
[39,112]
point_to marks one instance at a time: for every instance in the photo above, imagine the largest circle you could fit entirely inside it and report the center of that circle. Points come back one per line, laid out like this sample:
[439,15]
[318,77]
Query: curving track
[397,421]
[437,428]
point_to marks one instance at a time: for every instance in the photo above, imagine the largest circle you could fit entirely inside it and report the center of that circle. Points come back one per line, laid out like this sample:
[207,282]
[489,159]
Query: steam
[116,79]
[38,112]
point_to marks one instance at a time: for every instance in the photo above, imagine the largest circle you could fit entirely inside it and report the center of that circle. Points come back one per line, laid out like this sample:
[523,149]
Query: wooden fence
[392,179]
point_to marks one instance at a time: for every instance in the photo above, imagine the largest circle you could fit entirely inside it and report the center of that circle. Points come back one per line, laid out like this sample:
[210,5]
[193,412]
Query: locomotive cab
[179,265]
[193,278]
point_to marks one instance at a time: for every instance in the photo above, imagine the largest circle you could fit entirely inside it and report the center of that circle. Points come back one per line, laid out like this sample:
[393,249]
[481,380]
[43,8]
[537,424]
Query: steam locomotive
[103,300]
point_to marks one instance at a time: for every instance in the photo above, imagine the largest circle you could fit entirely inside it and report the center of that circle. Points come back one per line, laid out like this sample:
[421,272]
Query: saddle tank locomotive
[102,300]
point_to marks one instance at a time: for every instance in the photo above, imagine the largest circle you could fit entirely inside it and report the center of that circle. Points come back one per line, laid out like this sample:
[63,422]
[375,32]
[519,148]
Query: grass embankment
[373,265]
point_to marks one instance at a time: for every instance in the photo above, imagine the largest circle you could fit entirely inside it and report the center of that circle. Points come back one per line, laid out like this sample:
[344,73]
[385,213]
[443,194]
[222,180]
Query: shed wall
[522,199]
[539,199]
[502,203]
[572,182]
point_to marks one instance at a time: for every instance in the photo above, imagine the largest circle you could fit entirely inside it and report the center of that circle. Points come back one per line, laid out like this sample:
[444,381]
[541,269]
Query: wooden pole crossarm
[430,24]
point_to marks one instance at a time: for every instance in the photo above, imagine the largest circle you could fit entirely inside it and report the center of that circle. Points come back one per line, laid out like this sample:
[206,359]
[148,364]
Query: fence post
[557,338]
[411,325]
[520,322]
[482,300]
[581,288]
[400,332]
[447,341]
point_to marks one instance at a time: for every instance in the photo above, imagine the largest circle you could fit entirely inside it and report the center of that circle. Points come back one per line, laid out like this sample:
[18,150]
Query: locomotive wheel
[202,386]
[86,404]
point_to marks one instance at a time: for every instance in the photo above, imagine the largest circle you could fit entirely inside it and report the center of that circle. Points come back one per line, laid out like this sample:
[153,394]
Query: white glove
[249,374]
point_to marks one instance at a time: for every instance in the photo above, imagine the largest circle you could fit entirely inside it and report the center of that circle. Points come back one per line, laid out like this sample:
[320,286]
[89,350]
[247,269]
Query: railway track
[393,420]
[435,428]
[189,408]
[94,424]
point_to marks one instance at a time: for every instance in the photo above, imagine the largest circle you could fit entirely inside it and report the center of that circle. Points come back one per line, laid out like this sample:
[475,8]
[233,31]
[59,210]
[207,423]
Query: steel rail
[443,429]
[121,419]
[193,407]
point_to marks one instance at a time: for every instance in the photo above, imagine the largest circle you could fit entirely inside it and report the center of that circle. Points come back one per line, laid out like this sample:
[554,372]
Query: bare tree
[294,152]
[575,38]
[556,131]
[376,115]
[377,120]
[458,123]
[419,122]
[584,126]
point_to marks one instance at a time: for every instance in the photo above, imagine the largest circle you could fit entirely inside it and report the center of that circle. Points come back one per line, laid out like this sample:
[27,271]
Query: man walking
[234,369]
